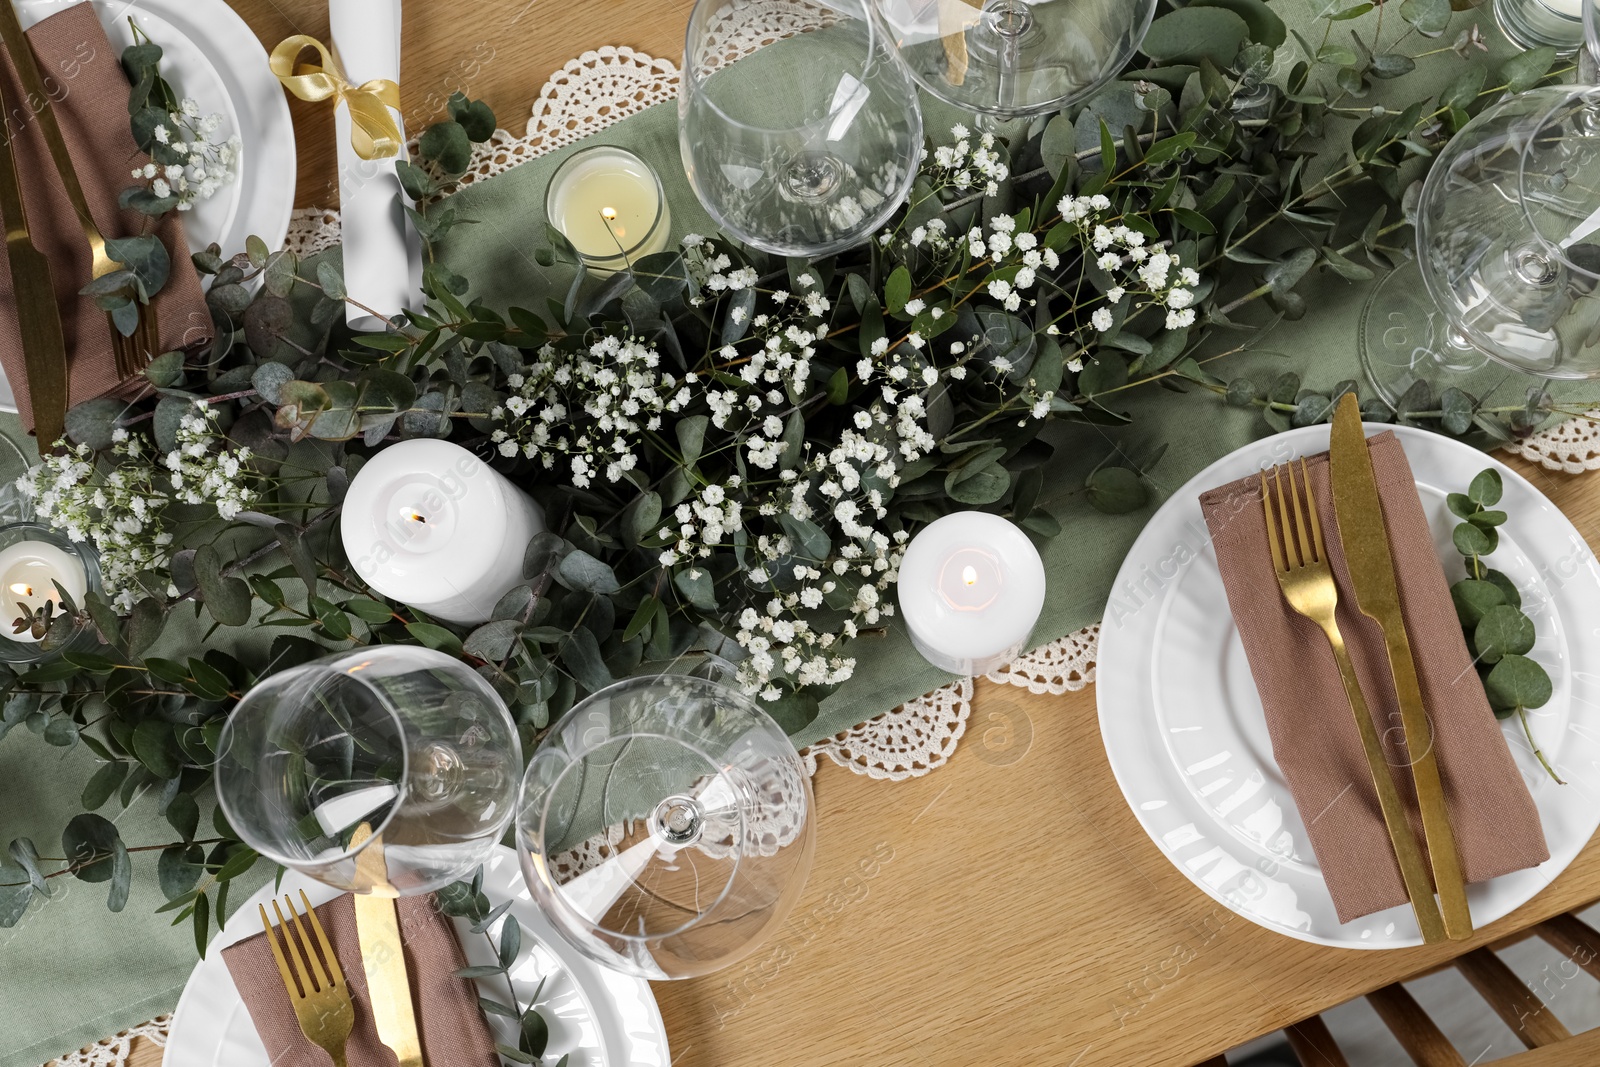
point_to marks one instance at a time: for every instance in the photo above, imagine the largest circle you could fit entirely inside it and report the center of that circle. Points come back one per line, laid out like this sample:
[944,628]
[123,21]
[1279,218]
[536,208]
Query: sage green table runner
[71,972]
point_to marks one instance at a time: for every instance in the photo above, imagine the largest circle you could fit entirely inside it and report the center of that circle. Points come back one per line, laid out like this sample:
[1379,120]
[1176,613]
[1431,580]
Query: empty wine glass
[410,742]
[1534,23]
[1503,286]
[1009,58]
[806,145]
[665,826]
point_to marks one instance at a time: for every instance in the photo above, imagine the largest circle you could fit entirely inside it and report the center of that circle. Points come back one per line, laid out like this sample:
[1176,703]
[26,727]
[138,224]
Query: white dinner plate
[212,56]
[1187,738]
[598,1017]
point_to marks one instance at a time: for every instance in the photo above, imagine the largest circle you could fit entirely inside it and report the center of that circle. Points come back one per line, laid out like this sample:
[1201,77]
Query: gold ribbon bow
[373,132]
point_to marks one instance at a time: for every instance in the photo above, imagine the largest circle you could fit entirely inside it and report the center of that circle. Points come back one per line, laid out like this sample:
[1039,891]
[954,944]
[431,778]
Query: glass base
[1405,338]
[1534,24]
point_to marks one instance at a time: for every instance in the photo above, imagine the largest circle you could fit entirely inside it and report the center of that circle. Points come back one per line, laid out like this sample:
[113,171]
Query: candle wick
[608,215]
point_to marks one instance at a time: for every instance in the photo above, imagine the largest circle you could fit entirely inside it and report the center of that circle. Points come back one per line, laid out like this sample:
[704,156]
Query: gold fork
[321,998]
[1298,555]
[132,353]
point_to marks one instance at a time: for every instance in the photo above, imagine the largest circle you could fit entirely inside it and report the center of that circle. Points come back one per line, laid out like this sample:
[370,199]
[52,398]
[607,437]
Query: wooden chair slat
[1313,1044]
[1580,1051]
[1575,939]
[1423,1041]
[1527,1016]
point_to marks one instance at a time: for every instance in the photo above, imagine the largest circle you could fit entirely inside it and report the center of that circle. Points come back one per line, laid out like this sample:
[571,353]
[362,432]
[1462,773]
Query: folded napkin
[1314,739]
[89,94]
[449,1021]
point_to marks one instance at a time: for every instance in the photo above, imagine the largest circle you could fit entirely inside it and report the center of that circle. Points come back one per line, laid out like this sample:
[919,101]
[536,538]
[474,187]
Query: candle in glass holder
[610,205]
[971,588]
[29,571]
[431,525]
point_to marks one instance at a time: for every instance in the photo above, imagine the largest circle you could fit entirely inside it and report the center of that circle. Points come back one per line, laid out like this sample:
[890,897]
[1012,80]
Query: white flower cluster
[617,383]
[789,591]
[965,166]
[1144,270]
[712,271]
[122,511]
[200,474]
[208,162]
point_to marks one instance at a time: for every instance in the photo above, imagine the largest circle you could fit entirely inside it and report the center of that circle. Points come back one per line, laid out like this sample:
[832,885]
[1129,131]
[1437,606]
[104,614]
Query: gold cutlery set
[315,982]
[38,317]
[1294,532]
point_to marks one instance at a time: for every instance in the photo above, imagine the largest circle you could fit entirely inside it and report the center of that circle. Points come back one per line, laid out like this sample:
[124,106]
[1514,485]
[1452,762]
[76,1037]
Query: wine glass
[1589,62]
[407,742]
[806,145]
[1534,23]
[1009,58]
[665,826]
[1500,297]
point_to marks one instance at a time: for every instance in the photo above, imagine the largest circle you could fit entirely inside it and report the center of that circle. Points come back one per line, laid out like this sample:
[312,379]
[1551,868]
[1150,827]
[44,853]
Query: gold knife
[1366,551]
[382,952]
[44,349]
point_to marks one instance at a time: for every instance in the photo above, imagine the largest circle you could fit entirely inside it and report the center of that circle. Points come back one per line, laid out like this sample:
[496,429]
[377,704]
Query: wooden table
[1008,908]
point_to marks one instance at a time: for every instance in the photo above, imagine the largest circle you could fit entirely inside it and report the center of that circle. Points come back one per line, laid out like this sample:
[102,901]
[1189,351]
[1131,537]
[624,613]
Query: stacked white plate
[1186,735]
[213,57]
[597,1017]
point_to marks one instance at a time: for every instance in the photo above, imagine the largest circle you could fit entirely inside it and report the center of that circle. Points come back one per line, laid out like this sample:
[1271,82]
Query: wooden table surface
[1006,909]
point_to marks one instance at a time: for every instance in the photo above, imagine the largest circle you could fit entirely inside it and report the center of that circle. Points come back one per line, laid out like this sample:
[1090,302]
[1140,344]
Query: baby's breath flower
[120,506]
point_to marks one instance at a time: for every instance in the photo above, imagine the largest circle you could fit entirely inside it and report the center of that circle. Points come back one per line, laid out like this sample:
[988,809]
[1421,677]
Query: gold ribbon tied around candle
[373,131]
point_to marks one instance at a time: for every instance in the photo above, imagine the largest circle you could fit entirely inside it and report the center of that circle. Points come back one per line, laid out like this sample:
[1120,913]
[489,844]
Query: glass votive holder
[611,206]
[33,558]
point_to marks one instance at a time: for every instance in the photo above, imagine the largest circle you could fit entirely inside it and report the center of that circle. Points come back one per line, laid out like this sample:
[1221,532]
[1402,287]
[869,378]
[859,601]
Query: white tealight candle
[610,205]
[431,525]
[29,571]
[971,589]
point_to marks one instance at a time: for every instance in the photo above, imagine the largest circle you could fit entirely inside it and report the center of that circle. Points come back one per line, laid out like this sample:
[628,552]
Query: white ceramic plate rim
[252,99]
[621,1008]
[261,199]
[1162,799]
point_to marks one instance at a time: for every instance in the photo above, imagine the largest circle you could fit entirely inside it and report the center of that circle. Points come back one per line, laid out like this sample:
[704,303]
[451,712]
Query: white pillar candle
[610,205]
[431,525]
[28,573]
[971,589]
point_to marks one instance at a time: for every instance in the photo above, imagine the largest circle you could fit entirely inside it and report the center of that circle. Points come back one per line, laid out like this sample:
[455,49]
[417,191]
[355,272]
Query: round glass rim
[540,858]
[1573,95]
[13,533]
[616,150]
[691,81]
[297,862]
[1108,72]
[1591,28]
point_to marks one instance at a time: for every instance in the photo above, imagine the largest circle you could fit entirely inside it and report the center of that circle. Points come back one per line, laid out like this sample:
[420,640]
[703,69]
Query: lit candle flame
[414,516]
[970,576]
[609,214]
[22,588]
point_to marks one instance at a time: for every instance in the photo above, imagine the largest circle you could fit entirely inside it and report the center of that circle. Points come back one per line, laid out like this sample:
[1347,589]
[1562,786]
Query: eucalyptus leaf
[1518,682]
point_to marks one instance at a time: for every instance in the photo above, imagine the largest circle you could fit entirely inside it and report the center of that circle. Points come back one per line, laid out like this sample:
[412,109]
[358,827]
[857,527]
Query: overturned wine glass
[1501,296]
[1004,59]
[665,826]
